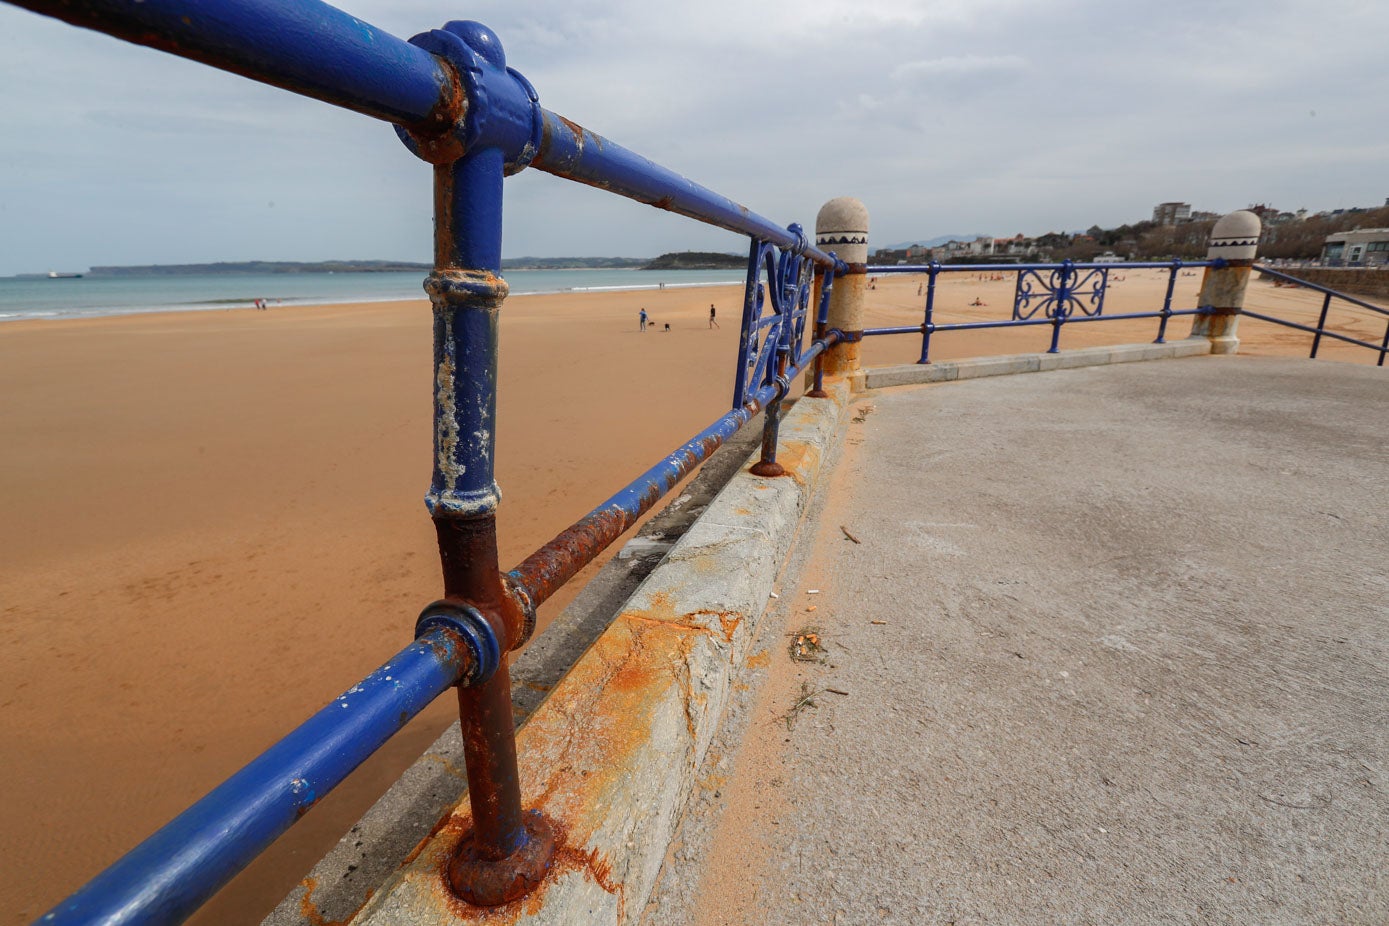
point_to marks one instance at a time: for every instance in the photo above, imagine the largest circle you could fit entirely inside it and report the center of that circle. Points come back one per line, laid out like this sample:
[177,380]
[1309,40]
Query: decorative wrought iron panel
[776,301]
[1060,292]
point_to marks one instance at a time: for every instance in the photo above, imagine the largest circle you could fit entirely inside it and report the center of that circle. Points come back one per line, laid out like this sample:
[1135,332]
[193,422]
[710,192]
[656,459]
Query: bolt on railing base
[767,468]
[487,883]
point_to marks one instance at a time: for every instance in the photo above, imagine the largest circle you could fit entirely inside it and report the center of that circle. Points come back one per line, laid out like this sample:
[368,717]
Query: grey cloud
[944,116]
[952,65]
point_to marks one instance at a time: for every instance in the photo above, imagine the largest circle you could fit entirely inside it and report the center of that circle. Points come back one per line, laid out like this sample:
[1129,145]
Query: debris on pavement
[806,646]
[806,699]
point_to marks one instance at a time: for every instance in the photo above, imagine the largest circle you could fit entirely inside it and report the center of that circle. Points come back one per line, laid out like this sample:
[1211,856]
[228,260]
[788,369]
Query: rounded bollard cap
[842,227]
[1235,236]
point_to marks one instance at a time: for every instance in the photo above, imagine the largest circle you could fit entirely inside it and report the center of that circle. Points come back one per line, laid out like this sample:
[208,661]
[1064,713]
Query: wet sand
[212,524]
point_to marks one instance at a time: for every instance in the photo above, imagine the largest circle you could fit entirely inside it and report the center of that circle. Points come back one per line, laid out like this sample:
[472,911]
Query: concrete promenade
[1102,645]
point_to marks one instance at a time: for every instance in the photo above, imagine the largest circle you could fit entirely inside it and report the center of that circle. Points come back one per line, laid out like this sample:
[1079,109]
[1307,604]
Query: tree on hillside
[1164,242]
[1081,248]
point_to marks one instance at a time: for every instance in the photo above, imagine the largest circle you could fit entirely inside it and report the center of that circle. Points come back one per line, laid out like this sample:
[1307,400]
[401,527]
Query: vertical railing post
[749,333]
[767,464]
[928,325]
[787,302]
[507,852]
[842,226]
[1065,276]
[824,288]
[1321,325]
[1167,302]
[1234,241]
[1383,347]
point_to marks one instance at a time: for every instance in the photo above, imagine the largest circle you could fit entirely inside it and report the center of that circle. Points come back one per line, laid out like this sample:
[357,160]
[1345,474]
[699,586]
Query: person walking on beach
[642,319]
[713,322]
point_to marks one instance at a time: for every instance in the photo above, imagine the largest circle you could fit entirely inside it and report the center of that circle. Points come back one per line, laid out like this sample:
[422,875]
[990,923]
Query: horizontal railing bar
[573,152]
[1325,332]
[901,329]
[1020,322]
[1127,316]
[173,872]
[549,567]
[306,47]
[1003,268]
[1322,289]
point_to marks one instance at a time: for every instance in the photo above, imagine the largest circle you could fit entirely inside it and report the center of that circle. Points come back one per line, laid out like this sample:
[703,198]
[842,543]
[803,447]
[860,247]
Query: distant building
[1017,246]
[1268,215]
[950,250]
[1172,213]
[1364,247]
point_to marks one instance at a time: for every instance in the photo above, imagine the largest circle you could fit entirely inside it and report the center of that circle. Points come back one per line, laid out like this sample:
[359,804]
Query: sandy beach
[213,523]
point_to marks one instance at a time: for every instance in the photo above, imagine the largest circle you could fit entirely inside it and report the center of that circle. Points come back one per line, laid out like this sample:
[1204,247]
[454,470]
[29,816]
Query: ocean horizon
[91,296]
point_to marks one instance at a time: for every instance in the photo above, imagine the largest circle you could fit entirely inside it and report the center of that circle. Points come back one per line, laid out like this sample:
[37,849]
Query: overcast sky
[948,116]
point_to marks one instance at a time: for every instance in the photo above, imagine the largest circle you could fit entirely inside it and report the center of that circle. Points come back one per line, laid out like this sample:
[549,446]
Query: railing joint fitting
[472,629]
[501,111]
[521,606]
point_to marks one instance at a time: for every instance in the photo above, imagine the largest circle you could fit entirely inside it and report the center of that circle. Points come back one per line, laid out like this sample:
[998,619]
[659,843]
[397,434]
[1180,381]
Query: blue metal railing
[456,105]
[1320,330]
[1044,294]
[166,877]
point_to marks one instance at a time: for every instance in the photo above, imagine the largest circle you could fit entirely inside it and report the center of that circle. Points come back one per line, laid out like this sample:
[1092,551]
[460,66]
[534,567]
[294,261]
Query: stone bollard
[842,227]
[1235,239]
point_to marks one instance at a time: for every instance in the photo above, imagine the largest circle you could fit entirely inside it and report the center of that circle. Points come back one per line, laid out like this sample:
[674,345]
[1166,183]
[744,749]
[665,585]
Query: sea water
[120,295]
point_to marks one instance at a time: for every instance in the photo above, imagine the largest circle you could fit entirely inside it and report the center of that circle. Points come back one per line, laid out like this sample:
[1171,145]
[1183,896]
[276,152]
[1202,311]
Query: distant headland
[683,260]
[696,260]
[258,267]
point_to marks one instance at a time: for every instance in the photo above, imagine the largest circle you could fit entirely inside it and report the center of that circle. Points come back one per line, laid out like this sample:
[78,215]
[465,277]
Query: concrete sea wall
[1359,282]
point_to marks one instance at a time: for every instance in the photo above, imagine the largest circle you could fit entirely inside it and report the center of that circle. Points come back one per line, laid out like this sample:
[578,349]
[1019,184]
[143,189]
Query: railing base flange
[486,883]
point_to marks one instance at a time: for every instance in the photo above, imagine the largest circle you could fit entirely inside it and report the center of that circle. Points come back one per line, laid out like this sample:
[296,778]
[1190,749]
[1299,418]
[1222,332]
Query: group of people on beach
[643,319]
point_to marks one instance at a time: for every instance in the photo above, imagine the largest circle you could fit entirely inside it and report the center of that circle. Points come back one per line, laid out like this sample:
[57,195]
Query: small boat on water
[55,275]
